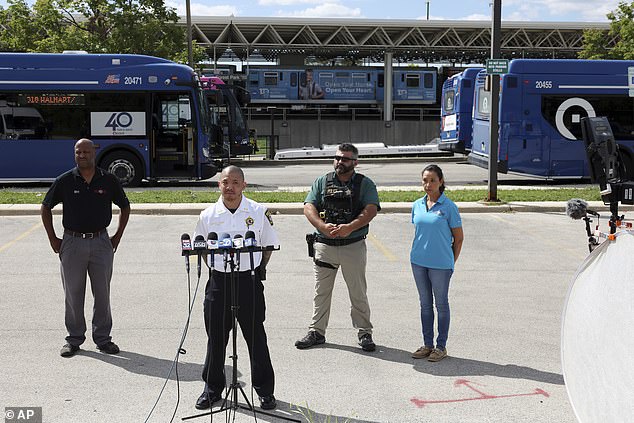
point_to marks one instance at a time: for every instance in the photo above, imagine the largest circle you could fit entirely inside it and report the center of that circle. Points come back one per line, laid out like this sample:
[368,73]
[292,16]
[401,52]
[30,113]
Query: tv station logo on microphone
[200,244]
[23,414]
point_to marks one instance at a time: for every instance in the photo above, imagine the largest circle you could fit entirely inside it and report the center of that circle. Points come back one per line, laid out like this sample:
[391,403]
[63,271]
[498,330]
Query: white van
[20,122]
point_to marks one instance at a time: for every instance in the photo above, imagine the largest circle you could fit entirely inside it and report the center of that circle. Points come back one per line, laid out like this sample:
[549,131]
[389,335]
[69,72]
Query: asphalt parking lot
[506,297]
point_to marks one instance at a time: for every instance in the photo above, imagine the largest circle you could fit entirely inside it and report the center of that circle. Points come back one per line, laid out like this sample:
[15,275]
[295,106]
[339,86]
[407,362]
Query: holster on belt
[310,241]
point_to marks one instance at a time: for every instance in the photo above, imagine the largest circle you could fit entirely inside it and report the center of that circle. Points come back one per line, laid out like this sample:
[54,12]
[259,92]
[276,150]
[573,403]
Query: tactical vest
[341,203]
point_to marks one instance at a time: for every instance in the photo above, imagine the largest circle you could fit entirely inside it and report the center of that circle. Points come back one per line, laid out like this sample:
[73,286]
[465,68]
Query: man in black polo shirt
[87,193]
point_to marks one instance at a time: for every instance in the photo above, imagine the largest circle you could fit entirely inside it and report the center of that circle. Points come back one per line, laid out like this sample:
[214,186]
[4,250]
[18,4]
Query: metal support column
[496,33]
[190,51]
[387,88]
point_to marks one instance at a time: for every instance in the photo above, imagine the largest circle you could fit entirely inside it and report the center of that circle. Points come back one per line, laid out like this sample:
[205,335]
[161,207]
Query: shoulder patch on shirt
[268,216]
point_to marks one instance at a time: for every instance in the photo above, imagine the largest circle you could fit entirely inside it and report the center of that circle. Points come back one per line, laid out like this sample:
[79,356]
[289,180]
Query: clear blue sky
[515,10]
[533,10]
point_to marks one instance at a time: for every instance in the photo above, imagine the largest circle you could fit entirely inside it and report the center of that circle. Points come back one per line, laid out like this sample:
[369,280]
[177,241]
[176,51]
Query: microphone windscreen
[212,236]
[576,208]
[184,237]
[225,235]
[199,238]
[249,234]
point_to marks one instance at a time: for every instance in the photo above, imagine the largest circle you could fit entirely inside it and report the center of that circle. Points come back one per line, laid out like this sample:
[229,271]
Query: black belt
[84,235]
[338,242]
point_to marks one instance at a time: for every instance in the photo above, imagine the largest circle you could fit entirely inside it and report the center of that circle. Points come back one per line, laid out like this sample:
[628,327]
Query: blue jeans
[433,284]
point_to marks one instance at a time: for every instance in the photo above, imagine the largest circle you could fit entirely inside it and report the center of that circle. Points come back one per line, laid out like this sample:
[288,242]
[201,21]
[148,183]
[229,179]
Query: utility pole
[190,53]
[496,32]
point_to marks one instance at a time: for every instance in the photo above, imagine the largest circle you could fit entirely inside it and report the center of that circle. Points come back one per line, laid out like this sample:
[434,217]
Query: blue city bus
[541,106]
[456,104]
[147,116]
[340,85]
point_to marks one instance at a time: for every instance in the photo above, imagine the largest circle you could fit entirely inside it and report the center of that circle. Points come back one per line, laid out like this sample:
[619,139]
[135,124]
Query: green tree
[595,42]
[96,26]
[20,27]
[199,55]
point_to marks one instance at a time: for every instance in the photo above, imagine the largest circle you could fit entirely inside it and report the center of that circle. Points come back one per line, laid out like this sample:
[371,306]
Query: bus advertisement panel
[456,110]
[542,103]
[146,115]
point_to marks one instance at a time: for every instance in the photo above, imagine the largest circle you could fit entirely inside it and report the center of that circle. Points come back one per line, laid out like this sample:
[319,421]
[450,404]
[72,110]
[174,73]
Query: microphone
[577,208]
[249,239]
[249,242]
[212,246]
[238,243]
[225,244]
[186,248]
[200,245]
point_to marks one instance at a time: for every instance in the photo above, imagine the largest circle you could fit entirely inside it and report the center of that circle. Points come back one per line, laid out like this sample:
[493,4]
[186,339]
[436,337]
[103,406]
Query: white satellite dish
[597,335]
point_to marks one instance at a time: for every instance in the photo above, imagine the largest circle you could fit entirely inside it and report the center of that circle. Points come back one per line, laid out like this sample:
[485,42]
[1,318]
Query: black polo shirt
[87,207]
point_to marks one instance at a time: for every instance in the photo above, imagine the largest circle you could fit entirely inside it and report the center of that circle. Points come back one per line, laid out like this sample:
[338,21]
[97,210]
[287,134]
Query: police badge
[249,221]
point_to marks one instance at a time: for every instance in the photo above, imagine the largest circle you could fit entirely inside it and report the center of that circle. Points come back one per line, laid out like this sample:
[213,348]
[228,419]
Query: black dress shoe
[203,402]
[109,348]
[69,350]
[267,402]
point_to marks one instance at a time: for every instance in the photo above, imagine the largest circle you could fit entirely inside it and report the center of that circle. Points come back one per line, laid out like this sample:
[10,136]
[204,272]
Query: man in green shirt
[340,205]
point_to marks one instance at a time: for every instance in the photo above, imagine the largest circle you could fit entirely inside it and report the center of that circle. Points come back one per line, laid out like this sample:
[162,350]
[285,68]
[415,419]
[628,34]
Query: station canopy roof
[361,39]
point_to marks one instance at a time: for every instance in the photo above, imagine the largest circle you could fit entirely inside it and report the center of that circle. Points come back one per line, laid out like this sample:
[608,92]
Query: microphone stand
[230,401]
[592,241]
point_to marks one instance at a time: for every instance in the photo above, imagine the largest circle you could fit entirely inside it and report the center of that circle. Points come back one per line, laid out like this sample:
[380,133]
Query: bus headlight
[206,152]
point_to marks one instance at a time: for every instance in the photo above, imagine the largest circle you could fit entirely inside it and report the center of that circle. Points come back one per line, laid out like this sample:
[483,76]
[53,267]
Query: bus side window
[2,133]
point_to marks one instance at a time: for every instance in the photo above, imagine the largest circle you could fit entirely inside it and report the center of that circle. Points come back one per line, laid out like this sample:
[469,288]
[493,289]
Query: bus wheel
[125,166]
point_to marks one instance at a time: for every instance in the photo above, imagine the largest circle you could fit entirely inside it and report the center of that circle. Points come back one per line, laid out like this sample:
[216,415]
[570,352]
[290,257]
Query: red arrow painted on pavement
[463,382]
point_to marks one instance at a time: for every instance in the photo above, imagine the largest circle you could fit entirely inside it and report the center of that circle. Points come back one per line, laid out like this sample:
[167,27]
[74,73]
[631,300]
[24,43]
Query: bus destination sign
[56,99]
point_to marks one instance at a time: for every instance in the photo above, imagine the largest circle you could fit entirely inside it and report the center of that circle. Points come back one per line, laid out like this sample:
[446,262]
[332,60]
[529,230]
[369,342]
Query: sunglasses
[343,159]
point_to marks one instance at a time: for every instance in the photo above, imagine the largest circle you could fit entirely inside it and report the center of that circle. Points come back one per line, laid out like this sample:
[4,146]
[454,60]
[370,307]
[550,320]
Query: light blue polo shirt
[433,238]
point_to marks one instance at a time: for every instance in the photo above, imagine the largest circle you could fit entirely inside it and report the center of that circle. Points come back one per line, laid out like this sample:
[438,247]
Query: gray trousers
[352,260]
[93,257]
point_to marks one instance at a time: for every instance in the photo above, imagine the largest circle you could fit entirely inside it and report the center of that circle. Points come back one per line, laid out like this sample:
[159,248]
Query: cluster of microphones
[224,245]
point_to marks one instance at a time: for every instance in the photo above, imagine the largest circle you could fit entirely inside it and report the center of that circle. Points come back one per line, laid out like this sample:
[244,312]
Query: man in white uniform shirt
[234,214]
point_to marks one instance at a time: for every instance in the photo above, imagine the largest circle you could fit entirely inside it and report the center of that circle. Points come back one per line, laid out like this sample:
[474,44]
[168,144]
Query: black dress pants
[218,323]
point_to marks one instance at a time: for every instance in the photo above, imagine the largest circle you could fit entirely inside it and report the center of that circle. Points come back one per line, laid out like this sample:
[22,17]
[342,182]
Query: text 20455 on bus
[147,116]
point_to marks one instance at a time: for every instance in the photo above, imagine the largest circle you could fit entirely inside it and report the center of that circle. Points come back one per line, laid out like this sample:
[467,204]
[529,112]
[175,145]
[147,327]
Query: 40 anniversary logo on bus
[117,123]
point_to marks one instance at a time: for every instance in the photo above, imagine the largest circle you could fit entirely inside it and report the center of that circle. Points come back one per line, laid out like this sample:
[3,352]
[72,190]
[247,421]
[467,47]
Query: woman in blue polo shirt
[435,249]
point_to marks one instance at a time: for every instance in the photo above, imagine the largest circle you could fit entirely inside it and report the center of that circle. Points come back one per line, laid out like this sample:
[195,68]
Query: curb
[194,209]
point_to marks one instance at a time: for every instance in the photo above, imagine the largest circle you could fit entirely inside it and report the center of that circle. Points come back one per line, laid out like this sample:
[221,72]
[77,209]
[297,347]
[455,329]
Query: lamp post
[427,9]
[190,53]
